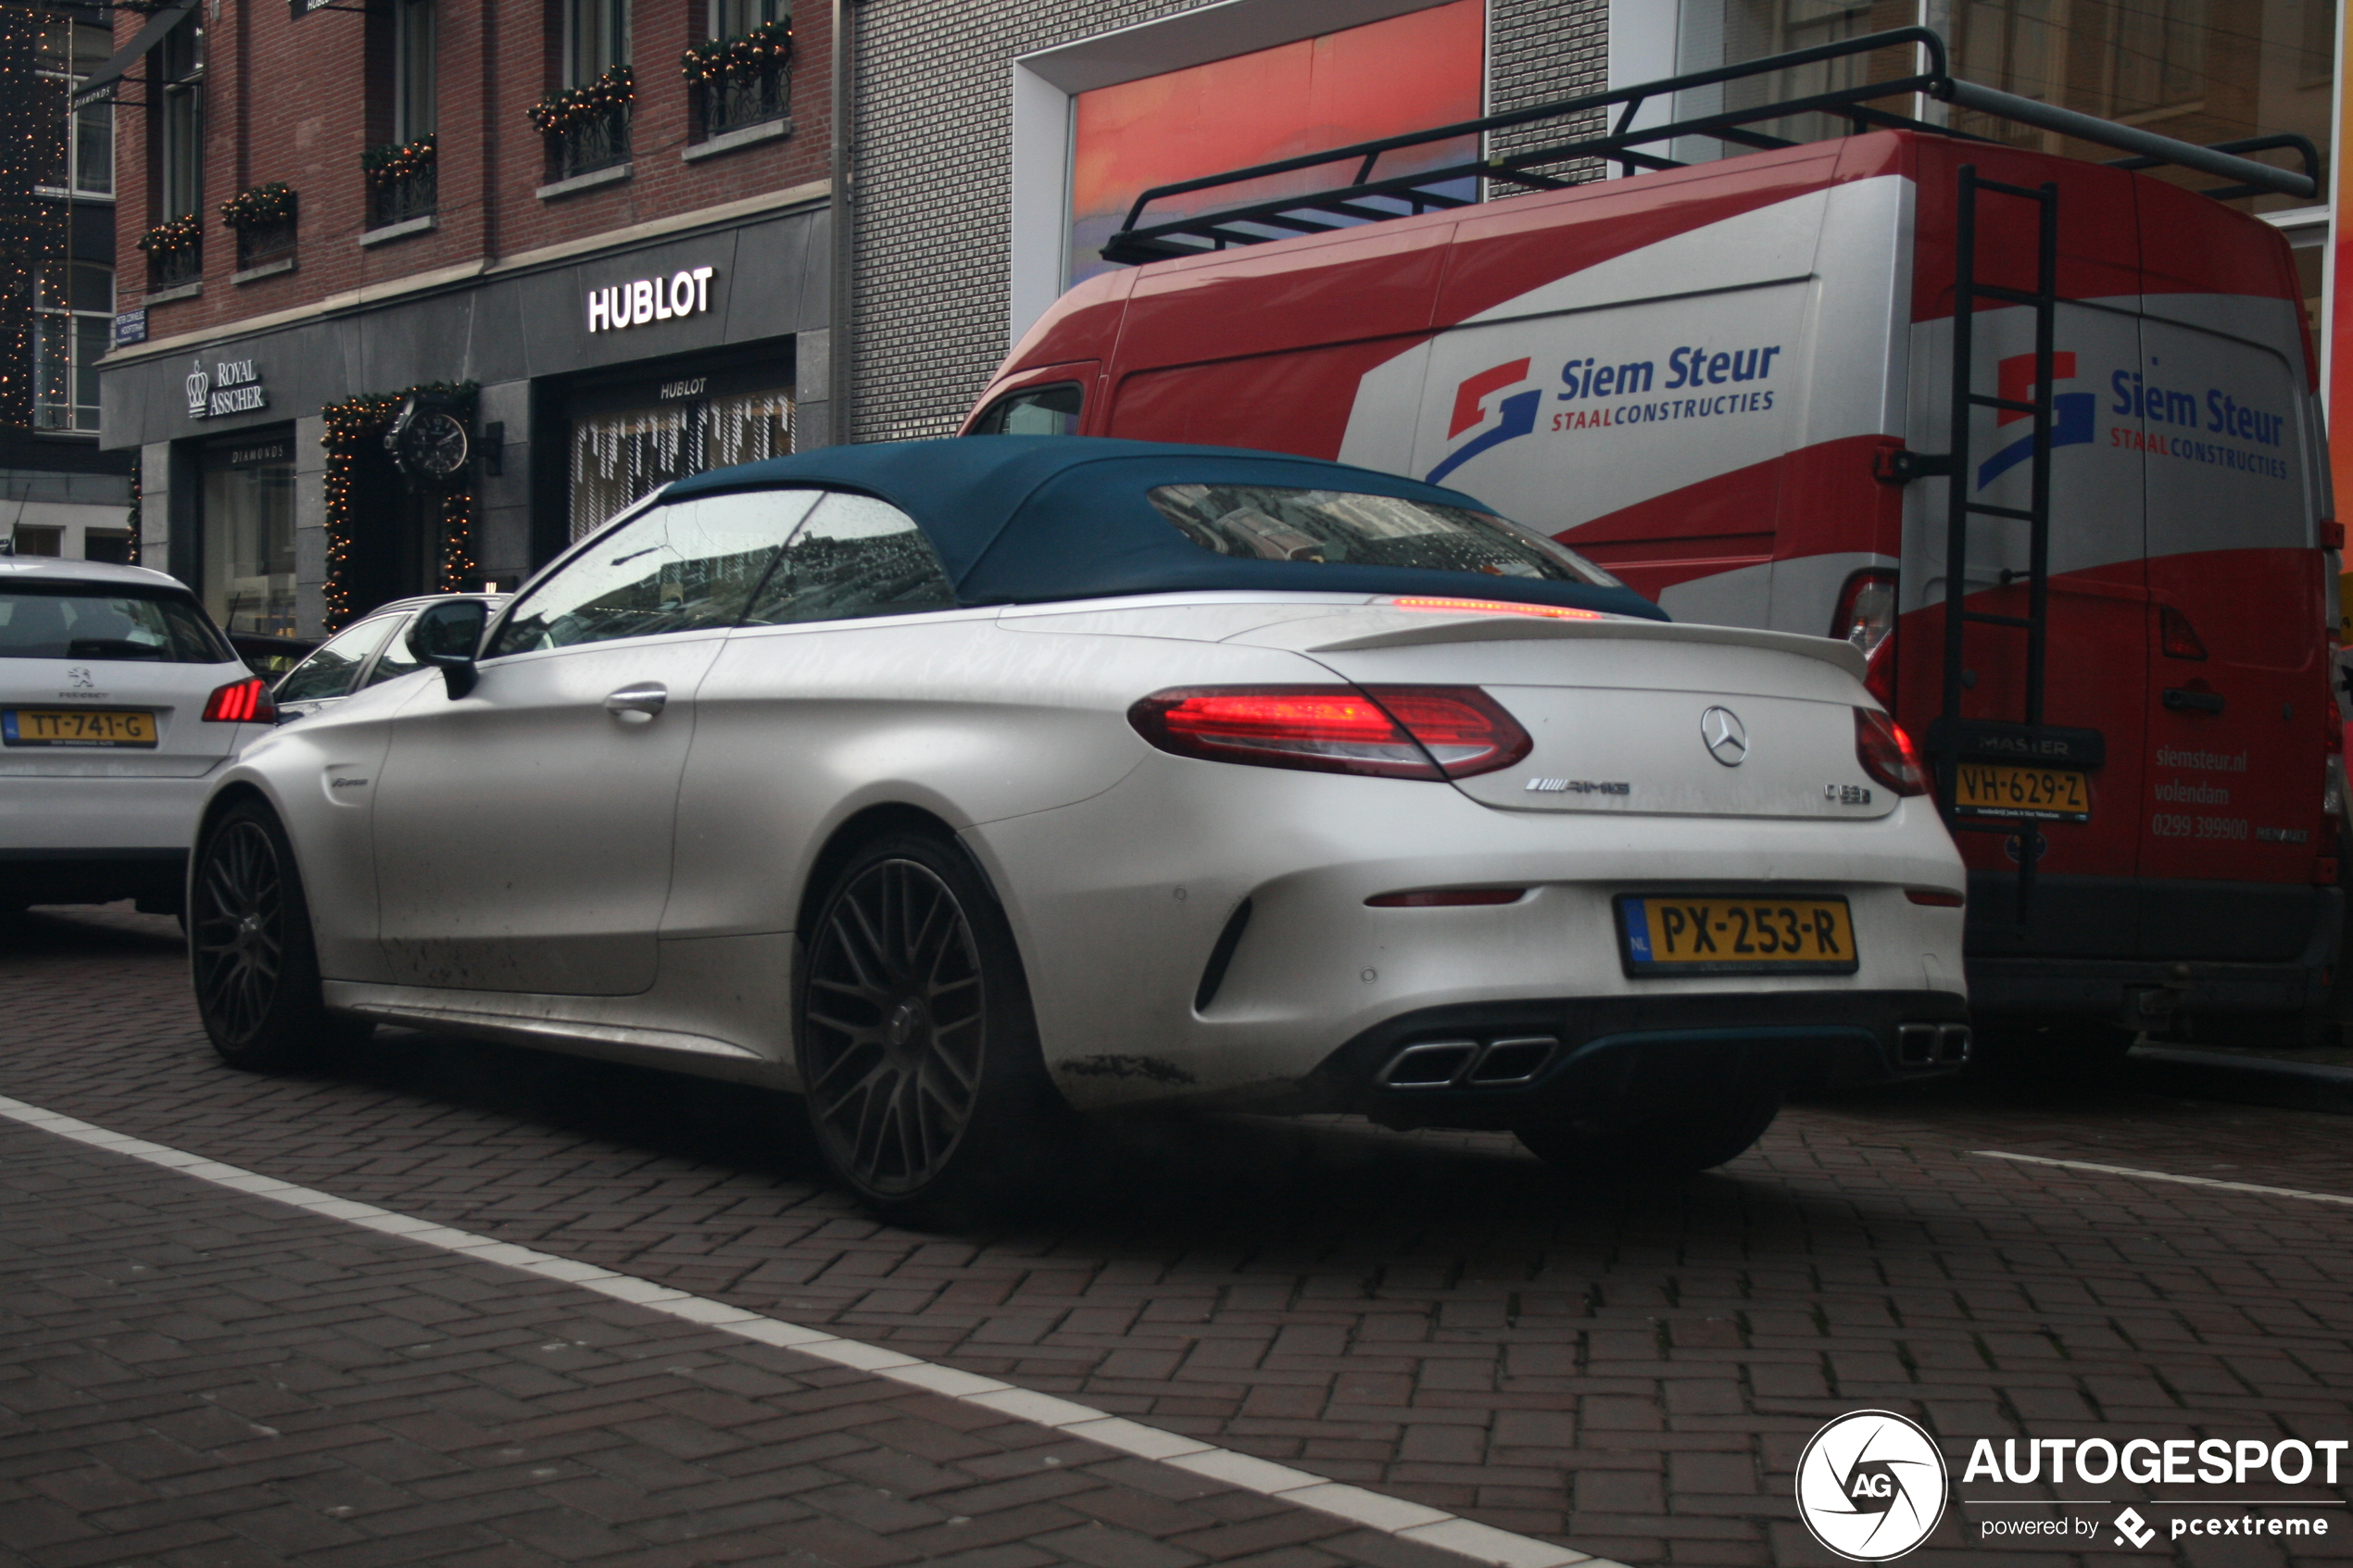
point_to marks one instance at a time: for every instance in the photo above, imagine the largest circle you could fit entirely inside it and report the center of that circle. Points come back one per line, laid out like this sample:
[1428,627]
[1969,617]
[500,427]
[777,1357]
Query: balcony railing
[170,269]
[416,194]
[730,103]
[257,242]
[590,143]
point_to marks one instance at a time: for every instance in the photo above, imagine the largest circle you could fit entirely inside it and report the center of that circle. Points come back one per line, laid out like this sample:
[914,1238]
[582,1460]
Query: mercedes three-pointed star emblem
[1726,736]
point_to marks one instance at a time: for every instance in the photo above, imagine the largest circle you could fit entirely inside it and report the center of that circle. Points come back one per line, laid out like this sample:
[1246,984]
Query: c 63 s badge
[1871,1485]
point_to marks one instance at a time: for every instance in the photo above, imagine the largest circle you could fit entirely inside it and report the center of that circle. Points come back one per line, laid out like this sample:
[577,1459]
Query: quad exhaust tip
[1932,1045]
[1503,1063]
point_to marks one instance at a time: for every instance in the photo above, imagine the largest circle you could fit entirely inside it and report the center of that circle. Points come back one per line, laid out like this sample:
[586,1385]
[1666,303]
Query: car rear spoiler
[1360,197]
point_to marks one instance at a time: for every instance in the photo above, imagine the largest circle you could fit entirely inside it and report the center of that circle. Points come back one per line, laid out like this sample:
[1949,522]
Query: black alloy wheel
[919,1060]
[249,944]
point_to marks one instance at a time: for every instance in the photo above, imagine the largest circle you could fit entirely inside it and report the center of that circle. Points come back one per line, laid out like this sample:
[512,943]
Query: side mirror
[445,635]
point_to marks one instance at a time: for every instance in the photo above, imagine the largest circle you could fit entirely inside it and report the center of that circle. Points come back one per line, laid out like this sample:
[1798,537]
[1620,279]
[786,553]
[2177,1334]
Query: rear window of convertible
[89,622]
[1336,527]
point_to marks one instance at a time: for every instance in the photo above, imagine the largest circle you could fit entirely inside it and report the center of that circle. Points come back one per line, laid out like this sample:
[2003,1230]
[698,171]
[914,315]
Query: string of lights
[358,465]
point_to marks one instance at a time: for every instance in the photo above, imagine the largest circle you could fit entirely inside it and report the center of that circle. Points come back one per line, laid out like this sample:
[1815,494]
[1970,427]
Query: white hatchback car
[956,784]
[119,699]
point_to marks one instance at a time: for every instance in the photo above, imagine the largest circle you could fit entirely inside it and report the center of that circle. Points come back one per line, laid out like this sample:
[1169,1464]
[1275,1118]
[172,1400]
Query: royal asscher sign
[635,304]
[226,386]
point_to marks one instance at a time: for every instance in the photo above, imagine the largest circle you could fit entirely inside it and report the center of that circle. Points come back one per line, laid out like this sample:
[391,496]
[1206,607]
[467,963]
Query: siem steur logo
[1516,416]
[2072,413]
[1871,1485]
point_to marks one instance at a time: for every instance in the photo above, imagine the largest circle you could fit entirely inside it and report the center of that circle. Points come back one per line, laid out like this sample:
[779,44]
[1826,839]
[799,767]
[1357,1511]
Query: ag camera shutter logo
[1871,1485]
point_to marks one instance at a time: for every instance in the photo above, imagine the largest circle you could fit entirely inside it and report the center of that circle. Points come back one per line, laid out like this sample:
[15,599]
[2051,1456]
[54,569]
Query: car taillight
[1446,898]
[241,702]
[2180,638]
[1887,754]
[1390,731]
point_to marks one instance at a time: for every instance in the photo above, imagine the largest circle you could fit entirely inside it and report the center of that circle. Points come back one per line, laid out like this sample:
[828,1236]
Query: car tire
[1617,1142]
[917,1048]
[250,950]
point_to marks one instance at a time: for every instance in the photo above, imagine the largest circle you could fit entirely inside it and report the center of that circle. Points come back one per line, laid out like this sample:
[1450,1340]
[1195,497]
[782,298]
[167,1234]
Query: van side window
[1034,410]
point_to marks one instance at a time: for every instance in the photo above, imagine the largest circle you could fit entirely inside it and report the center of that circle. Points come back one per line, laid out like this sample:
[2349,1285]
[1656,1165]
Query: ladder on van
[1947,737]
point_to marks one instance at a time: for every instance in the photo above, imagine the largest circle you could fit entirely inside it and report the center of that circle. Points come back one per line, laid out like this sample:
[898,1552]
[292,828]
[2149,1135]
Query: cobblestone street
[191,1375]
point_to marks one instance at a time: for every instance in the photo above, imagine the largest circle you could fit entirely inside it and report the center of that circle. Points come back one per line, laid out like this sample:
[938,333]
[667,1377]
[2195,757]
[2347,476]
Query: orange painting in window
[1412,73]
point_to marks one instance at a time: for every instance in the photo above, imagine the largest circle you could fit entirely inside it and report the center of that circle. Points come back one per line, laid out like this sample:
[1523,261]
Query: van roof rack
[1364,198]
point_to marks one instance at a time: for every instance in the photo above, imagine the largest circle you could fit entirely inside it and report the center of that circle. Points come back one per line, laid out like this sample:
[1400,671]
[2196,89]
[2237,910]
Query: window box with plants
[403,181]
[263,219]
[586,127]
[175,252]
[742,81]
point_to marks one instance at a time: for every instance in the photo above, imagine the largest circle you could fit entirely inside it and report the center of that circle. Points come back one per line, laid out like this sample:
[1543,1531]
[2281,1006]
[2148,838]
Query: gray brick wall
[934,169]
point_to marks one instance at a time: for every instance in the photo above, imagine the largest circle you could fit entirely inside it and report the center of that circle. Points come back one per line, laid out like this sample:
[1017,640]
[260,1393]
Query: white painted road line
[1391,1516]
[2164,1176]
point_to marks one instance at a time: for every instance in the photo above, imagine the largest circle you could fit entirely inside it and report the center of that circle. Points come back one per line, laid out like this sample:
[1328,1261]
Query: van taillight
[1389,732]
[1866,609]
[1887,753]
[241,702]
[2178,637]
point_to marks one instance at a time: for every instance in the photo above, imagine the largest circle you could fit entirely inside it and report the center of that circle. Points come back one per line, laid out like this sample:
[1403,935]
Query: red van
[2042,435]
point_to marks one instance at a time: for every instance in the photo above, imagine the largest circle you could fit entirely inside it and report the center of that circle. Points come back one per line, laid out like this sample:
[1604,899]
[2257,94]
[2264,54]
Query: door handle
[642,700]
[2181,699]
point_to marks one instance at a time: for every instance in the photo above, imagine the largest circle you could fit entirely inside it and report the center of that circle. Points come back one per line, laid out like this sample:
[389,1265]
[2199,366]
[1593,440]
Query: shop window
[108,544]
[73,309]
[621,455]
[247,536]
[30,541]
[81,159]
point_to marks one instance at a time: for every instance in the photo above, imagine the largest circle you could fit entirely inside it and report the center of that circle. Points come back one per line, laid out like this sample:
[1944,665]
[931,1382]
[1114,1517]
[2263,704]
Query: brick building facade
[604,272]
[943,179]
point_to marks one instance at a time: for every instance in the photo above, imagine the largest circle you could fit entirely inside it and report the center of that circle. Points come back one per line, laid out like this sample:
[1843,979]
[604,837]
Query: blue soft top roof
[1035,519]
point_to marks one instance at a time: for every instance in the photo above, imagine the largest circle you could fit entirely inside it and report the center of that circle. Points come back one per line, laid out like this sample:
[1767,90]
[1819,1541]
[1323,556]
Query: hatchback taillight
[1389,732]
[241,702]
[1887,753]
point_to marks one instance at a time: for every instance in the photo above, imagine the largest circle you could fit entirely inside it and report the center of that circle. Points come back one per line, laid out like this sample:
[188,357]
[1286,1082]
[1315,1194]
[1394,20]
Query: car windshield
[1332,527]
[85,621]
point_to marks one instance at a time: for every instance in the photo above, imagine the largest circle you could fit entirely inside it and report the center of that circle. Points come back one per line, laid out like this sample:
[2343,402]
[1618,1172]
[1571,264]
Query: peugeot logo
[1726,736]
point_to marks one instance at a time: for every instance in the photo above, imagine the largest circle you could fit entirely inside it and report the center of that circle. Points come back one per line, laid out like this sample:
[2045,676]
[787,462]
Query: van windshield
[1336,527]
[89,622]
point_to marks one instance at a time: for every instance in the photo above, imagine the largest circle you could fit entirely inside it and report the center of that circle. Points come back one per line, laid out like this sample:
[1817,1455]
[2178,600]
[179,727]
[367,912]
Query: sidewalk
[191,1375]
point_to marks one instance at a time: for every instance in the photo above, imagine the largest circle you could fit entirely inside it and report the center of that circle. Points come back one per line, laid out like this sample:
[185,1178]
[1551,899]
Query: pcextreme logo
[1871,1485]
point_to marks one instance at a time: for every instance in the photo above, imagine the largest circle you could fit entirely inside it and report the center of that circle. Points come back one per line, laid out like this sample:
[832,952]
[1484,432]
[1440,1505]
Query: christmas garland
[610,93]
[260,207]
[394,161]
[356,427]
[765,48]
[172,235]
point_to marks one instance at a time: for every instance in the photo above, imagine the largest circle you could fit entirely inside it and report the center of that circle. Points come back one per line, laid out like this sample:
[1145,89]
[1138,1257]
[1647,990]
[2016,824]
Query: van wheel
[2055,1053]
[250,950]
[1616,1142]
[917,1048]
